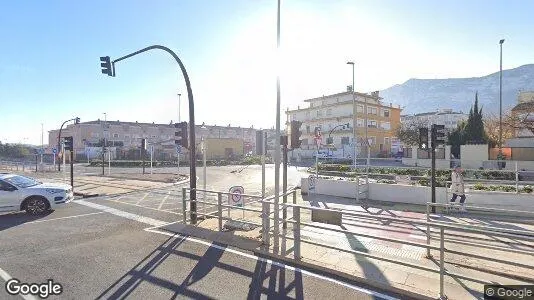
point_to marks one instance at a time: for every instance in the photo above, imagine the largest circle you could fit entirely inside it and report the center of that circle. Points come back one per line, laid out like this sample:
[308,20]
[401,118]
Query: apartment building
[124,139]
[329,113]
[447,117]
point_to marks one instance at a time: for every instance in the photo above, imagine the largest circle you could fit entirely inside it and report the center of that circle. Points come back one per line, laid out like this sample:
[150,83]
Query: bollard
[265,223]
[428,255]
[442,263]
[296,232]
[219,210]
[184,204]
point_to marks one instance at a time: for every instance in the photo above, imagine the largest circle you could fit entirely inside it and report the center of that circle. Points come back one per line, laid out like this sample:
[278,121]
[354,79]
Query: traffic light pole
[72,169]
[283,141]
[433,175]
[59,140]
[192,150]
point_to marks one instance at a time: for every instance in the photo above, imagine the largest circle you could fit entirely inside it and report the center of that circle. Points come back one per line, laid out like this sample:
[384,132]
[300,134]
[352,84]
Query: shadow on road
[145,270]
[15,219]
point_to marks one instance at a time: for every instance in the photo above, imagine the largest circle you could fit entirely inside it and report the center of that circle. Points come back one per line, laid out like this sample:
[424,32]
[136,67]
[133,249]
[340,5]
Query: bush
[424,182]
[388,181]
[526,189]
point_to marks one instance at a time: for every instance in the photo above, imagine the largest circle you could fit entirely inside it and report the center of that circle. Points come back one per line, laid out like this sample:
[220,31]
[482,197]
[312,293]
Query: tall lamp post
[354,110]
[179,120]
[500,100]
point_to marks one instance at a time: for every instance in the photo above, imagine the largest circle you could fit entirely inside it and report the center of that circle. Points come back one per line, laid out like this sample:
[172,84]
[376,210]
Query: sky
[50,68]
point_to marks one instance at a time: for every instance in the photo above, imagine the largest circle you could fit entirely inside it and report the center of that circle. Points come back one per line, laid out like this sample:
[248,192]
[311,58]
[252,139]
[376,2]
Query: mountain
[425,95]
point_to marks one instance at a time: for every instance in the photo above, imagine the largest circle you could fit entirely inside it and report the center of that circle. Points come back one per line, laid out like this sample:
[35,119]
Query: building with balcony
[326,113]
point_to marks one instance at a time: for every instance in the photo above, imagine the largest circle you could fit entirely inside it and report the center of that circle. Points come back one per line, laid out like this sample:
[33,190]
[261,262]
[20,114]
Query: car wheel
[36,206]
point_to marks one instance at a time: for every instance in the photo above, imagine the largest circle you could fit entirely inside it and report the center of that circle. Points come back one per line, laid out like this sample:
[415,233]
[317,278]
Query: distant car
[321,155]
[19,193]
[398,156]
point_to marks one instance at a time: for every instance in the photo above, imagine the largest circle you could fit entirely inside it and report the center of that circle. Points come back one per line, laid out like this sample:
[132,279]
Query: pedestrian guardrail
[280,219]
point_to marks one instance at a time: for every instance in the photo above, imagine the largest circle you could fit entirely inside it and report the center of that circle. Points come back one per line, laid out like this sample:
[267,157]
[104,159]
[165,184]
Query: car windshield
[21,181]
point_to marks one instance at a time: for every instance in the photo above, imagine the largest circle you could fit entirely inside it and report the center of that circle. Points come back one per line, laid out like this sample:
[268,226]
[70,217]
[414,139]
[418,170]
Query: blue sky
[50,71]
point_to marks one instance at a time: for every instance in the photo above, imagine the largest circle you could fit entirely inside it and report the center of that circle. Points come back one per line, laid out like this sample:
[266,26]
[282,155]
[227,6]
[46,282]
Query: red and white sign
[235,198]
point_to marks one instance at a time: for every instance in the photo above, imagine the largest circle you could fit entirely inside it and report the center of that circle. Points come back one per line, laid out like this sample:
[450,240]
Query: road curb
[332,272]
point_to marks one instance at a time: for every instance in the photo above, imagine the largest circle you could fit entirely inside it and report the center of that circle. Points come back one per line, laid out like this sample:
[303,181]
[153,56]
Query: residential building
[447,117]
[124,139]
[329,113]
[523,116]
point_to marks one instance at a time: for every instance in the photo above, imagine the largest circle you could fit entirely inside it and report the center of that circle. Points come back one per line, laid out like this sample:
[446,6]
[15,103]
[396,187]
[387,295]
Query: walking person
[457,187]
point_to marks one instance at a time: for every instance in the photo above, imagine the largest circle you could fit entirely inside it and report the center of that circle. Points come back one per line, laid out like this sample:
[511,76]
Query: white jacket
[457,186]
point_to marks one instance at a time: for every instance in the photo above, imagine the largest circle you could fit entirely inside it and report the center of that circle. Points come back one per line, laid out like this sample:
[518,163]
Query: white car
[23,193]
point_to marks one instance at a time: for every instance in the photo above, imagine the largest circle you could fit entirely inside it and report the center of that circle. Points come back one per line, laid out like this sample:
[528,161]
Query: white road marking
[163,200]
[62,218]
[278,264]
[4,275]
[143,198]
[157,223]
[162,210]
[123,214]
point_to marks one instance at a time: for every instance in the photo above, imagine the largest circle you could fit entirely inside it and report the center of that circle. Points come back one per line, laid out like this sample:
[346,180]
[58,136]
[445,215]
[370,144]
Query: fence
[25,166]
[297,224]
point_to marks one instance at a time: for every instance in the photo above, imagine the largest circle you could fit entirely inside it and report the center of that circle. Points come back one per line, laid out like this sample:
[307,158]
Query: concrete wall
[472,156]
[427,163]
[419,194]
[216,148]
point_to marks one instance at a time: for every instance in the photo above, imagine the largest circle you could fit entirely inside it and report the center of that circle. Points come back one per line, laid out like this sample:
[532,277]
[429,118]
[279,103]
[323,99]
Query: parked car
[19,193]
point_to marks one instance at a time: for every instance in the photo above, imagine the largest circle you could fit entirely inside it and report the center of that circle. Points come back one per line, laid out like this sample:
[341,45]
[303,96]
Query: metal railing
[431,226]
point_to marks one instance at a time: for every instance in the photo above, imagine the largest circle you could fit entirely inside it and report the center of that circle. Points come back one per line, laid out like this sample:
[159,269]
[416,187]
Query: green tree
[474,129]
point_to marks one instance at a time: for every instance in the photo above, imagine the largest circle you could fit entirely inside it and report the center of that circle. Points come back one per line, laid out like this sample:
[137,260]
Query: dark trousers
[454,196]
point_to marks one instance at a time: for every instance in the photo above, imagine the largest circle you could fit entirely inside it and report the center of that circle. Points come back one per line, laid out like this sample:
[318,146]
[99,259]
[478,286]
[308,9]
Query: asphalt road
[107,248]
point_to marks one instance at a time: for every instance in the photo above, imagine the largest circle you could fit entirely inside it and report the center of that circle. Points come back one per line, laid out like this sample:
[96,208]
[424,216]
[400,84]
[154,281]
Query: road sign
[312,180]
[41,151]
[54,151]
[236,199]
[178,149]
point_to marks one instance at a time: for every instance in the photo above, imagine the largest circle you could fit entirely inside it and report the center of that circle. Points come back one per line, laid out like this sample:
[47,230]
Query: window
[126,136]
[372,123]
[329,112]
[318,113]
[372,140]
[359,122]
[359,109]
[153,136]
[307,114]
[345,140]
[372,110]
[323,102]
[94,134]
[115,135]
[307,128]
[386,125]
[386,140]
[386,113]
[106,134]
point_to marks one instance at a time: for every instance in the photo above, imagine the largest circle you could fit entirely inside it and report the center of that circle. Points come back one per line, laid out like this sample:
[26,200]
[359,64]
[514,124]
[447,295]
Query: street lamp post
[500,99]
[277,140]
[179,120]
[192,146]
[354,110]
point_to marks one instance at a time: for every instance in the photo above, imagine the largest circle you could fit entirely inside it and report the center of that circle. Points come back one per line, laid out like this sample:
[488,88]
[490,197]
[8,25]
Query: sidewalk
[383,274]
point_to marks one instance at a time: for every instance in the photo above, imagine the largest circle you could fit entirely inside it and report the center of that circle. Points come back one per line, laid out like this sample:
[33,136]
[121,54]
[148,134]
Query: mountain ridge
[425,95]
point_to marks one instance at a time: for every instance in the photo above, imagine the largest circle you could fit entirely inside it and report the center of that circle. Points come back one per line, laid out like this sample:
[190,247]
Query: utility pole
[500,99]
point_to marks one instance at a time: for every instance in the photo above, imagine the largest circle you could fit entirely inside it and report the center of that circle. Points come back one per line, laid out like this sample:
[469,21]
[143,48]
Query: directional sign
[41,151]
[178,149]
[54,151]
[312,180]
[235,198]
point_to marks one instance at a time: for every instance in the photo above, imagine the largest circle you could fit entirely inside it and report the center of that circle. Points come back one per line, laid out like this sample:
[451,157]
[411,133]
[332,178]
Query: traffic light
[68,143]
[180,135]
[105,63]
[143,144]
[438,135]
[259,142]
[295,134]
[77,121]
[423,138]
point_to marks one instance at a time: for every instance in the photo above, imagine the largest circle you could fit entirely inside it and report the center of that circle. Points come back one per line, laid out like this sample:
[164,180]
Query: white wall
[472,156]
[419,195]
